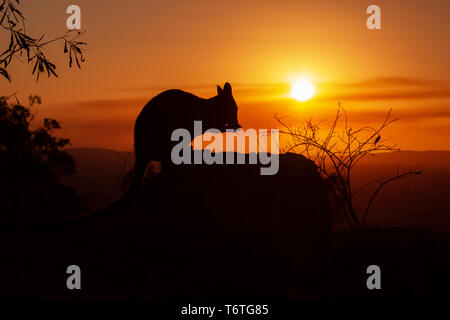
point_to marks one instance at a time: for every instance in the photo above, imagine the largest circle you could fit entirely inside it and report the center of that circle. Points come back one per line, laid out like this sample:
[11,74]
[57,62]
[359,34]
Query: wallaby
[173,109]
[166,112]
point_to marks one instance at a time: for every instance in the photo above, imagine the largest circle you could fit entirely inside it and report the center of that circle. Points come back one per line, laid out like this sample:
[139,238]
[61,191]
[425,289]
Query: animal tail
[119,176]
[124,201]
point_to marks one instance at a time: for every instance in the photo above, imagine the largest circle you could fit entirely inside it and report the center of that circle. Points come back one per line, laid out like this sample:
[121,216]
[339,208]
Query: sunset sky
[139,48]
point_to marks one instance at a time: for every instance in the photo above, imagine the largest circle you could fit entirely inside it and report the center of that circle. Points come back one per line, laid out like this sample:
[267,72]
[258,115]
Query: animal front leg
[142,161]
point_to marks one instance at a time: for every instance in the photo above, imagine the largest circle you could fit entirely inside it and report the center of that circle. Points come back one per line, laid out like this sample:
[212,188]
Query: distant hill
[417,201]
[97,172]
[426,159]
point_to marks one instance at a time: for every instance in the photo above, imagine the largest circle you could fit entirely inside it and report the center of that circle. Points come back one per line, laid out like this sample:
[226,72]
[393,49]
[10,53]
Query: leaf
[22,40]
[7,50]
[14,10]
[18,40]
[5,74]
[3,17]
[35,66]
[27,37]
[11,42]
[54,73]
[47,67]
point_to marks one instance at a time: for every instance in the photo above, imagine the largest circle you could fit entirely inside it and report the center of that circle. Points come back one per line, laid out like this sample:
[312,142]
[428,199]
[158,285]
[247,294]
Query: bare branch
[336,153]
[381,185]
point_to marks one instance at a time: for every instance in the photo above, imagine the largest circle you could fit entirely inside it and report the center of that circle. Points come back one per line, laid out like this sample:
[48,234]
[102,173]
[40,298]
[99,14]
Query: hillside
[418,201]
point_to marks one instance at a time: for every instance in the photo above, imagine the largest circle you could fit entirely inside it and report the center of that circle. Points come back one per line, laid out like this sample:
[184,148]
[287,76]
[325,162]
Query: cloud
[388,88]
[414,115]
[111,104]
[254,91]
[109,122]
[409,94]
[384,88]
[393,82]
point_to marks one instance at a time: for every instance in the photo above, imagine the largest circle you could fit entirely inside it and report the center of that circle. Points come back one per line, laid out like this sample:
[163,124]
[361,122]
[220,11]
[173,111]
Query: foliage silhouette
[21,43]
[33,165]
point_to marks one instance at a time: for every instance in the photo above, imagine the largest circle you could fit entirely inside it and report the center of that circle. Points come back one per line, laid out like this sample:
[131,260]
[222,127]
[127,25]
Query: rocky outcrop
[191,231]
[228,223]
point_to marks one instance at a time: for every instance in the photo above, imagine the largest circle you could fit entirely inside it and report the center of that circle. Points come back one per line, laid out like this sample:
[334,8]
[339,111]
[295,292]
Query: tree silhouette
[23,44]
[337,151]
[33,164]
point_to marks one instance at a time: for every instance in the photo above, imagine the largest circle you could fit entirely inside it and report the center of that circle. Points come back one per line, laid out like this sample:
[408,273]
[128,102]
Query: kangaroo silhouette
[173,109]
[166,112]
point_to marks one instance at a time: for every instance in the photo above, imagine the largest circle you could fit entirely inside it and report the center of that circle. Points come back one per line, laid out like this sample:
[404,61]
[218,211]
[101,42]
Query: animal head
[226,116]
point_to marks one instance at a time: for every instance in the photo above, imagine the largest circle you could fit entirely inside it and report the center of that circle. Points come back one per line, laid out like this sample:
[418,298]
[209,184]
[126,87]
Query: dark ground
[414,264]
[186,237]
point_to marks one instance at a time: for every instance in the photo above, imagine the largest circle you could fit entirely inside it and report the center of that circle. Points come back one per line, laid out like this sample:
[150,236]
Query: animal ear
[227,89]
[219,90]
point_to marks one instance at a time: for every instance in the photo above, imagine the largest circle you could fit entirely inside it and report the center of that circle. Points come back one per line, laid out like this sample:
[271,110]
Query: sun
[302,90]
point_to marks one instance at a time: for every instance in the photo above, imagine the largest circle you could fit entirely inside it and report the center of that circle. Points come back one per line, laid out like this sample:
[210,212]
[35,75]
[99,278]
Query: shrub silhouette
[336,152]
[33,164]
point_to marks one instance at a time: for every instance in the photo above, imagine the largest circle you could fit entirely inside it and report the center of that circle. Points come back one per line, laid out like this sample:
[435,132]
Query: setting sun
[302,90]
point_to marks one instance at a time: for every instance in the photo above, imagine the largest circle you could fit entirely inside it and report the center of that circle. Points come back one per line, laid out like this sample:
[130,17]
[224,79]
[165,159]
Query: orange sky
[138,48]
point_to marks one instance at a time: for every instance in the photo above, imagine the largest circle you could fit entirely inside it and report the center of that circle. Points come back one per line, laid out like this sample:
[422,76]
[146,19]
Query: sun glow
[302,90]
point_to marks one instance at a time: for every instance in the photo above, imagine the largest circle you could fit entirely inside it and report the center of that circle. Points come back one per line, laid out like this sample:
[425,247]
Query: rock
[229,222]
